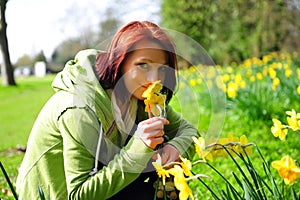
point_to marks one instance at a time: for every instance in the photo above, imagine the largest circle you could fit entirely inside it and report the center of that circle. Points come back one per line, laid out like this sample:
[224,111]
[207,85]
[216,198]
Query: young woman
[93,138]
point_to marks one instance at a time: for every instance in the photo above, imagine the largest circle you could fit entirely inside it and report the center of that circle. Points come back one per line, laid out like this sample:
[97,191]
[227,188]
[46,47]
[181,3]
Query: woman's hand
[168,154]
[151,131]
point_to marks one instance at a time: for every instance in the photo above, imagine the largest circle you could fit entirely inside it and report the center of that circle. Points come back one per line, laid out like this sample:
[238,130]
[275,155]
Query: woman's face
[147,63]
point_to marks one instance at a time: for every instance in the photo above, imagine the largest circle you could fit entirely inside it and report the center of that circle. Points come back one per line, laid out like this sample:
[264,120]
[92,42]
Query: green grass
[19,106]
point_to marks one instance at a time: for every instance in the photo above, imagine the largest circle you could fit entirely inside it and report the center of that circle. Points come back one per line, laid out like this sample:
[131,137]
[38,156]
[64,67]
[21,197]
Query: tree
[25,60]
[6,67]
[40,57]
[233,30]
[87,39]
[109,26]
[67,50]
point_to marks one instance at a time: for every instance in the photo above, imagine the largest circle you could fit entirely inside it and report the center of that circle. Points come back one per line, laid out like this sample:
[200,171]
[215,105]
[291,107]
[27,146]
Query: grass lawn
[19,106]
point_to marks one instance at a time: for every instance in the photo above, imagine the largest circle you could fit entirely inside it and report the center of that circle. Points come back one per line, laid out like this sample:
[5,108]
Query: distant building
[40,69]
[23,71]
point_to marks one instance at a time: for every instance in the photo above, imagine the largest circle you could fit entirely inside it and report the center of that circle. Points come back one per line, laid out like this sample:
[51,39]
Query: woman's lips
[146,85]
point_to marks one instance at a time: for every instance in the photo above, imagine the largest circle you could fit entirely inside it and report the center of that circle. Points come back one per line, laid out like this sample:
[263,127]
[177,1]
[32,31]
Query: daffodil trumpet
[154,100]
[287,169]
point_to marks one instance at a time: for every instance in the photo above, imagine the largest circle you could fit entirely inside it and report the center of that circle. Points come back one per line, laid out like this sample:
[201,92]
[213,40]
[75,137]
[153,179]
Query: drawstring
[95,169]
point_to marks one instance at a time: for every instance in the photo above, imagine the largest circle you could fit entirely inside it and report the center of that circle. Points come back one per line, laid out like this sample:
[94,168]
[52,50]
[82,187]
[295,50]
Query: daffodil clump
[154,99]
[272,68]
[222,147]
[256,86]
[181,172]
[286,167]
[250,183]
[280,130]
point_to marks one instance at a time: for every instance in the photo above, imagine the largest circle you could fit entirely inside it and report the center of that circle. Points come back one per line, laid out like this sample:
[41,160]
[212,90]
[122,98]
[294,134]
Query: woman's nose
[152,75]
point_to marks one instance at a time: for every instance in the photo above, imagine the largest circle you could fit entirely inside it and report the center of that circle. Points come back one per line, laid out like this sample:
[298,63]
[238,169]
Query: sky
[35,25]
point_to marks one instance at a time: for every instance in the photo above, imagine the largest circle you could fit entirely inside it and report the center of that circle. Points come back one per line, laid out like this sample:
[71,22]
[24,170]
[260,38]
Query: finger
[153,126]
[152,134]
[153,142]
[155,156]
[158,125]
[155,119]
[164,158]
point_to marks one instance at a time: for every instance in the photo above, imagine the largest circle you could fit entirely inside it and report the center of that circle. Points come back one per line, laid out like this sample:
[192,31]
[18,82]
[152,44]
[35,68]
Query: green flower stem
[212,192]
[266,167]
[252,172]
[239,167]
[165,193]
[156,188]
[231,186]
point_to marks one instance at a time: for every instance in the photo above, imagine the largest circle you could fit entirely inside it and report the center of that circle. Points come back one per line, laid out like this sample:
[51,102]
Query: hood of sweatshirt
[79,80]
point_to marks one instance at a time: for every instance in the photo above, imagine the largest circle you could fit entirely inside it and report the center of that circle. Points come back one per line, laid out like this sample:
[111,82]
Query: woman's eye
[163,68]
[143,65]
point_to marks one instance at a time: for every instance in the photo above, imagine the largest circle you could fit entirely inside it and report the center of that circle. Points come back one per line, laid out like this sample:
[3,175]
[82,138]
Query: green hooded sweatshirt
[64,142]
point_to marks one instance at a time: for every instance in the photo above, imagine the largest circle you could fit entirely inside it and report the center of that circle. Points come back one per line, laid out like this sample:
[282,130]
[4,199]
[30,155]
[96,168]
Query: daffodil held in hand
[154,99]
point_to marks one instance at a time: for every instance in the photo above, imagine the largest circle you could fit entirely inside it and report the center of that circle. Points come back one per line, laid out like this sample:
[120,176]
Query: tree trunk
[6,67]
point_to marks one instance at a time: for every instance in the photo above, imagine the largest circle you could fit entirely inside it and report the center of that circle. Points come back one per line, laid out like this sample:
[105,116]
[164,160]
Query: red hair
[108,65]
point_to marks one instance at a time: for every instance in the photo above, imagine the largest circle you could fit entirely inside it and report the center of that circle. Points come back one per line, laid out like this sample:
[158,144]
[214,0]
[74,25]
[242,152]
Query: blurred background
[52,31]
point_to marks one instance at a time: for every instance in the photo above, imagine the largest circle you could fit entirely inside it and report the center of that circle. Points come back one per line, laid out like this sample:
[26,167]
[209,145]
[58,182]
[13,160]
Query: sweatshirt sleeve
[180,133]
[80,130]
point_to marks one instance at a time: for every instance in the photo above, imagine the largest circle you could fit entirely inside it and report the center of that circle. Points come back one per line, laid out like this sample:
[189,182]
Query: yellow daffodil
[156,86]
[298,89]
[252,79]
[288,73]
[180,183]
[161,172]
[232,144]
[287,169]
[192,82]
[272,73]
[186,166]
[229,69]
[259,76]
[219,151]
[279,130]
[201,149]
[243,84]
[243,142]
[238,78]
[153,98]
[276,82]
[232,138]
[225,77]
[293,120]
[232,89]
